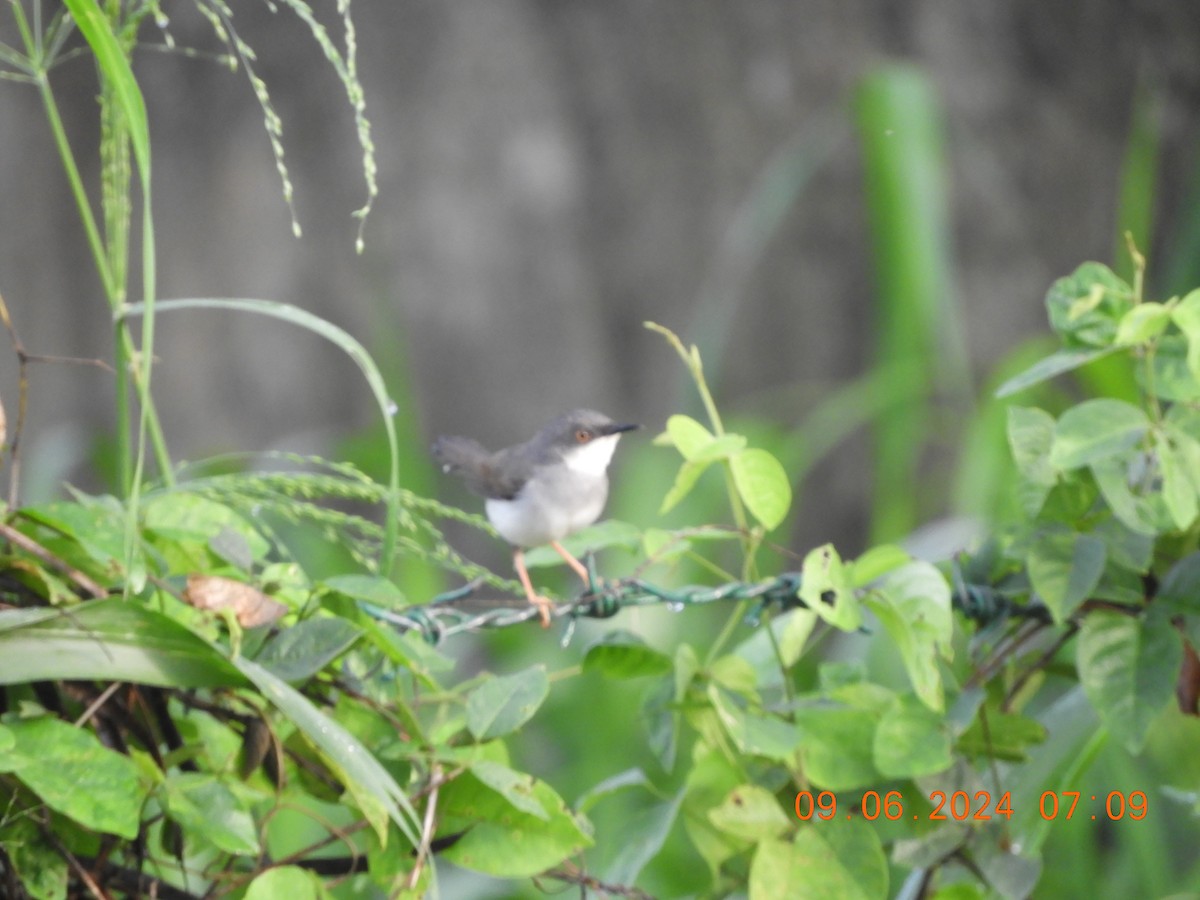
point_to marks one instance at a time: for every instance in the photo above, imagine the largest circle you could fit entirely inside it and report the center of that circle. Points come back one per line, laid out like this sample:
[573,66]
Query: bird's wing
[497,476]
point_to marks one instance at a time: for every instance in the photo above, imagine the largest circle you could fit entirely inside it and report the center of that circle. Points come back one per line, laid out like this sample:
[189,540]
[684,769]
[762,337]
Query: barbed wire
[461,611]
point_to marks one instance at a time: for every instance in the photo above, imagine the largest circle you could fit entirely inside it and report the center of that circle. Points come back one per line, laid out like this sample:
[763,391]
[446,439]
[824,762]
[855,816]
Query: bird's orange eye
[582,436]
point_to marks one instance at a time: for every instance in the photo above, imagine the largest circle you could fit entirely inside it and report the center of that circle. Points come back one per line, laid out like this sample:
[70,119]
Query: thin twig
[1041,662]
[29,545]
[97,703]
[427,826]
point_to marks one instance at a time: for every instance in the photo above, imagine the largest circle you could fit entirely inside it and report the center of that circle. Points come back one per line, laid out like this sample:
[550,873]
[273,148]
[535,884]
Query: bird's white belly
[541,513]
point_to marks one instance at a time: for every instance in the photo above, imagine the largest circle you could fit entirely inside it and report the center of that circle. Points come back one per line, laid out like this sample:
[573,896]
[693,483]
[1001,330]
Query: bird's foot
[544,605]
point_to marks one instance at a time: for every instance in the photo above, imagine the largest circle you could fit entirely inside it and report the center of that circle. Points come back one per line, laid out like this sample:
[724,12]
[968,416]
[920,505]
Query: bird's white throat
[593,457]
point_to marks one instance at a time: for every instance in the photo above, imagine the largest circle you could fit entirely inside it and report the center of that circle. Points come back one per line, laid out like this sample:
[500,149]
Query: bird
[543,490]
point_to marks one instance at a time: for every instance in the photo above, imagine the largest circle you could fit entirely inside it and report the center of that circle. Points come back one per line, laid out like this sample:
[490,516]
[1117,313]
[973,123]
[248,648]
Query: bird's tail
[459,455]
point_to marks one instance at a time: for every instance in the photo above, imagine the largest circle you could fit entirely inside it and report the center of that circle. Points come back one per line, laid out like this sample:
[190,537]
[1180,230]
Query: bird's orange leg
[580,568]
[542,603]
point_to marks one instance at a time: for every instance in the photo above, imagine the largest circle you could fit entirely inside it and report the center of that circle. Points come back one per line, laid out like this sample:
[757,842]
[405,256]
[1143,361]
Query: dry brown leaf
[251,606]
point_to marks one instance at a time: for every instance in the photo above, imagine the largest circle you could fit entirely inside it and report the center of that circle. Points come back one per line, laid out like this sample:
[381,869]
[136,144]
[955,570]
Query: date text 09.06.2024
[962,806]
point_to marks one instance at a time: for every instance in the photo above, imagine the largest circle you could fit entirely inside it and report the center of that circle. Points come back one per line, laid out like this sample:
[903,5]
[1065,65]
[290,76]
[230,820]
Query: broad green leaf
[629,778]
[299,652]
[291,882]
[763,486]
[39,868]
[750,812]
[504,703]
[1007,736]
[836,746]
[1140,514]
[372,588]
[1180,492]
[756,734]
[685,479]
[622,654]
[1180,593]
[1096,430]
[97,526]
[1144,322]
[913,605]
[515,787]
[876,563]
[688,435]
[1170,376]
[1053,365]
[209,811]
[839,858]
[709,780]
[1127,548]
[75,774]
[1128,666]
[1086,306]
[1064,568]
[911,740]
[825,589]
[502,840]
[371,785]
[1186,315]
[110,640]
[184,517]
[642,838]
[1030,437]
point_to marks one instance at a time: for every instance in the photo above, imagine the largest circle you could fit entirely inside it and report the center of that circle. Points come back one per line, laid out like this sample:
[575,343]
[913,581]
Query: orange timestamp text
[961,806]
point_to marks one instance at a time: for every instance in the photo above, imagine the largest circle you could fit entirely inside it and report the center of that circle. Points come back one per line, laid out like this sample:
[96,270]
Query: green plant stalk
[904,172]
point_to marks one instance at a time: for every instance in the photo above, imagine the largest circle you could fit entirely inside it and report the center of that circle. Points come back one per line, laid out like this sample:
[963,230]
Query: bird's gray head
[583,438]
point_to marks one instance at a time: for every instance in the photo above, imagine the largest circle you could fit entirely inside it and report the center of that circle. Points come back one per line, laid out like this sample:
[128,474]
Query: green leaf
[109,640]
[1176,462]
[1007,736]
[688,435]
[1096,430]
[209,811]
[1186,315]
[622,654]
[1180,593]
[643,837]
[753,733]
[1086,306]
[1030,437]
[750,812]
[192,522]
[842,859]
[501,839]
[515,787]
[1139,514]
[1128,666]
[292,882]
[299,652]
[372,588]
[876,563]
[836,746]
[911,740]
[372,786]
[913,605]
[74,774]
[685,479]
[504,703]
[825,589]
[1064,568]
[1143,323]
[1053,365]
[763,486]
[96,525]
[40,869]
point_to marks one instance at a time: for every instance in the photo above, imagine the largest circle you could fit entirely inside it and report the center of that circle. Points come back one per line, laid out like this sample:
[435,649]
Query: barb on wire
[461,610]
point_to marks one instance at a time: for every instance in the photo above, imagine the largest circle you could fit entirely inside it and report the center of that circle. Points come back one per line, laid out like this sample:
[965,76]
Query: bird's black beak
[617,428]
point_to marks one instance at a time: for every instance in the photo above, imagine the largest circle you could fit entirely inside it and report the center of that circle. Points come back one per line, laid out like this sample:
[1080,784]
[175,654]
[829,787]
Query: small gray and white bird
[543,490]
